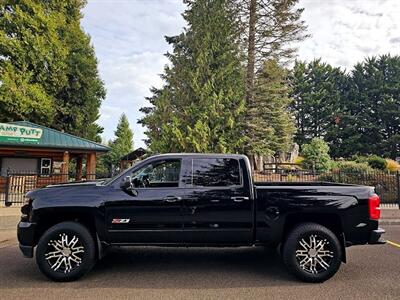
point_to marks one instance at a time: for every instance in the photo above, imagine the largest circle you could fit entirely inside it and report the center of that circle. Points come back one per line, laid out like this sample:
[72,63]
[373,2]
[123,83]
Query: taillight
[374,209]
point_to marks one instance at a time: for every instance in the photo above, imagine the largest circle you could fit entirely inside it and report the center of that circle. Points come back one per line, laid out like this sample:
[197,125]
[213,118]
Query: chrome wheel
[64,254]
[314,254]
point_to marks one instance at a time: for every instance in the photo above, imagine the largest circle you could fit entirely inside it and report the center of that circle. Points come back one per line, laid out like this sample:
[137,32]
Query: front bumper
[26,234]
[375,237]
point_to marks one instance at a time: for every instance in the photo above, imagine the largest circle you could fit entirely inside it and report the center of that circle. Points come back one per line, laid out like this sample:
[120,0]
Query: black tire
[312,266]
[82,259]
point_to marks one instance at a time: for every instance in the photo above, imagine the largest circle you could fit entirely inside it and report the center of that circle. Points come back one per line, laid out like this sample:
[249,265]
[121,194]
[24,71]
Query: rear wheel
[66,252]
[312,252]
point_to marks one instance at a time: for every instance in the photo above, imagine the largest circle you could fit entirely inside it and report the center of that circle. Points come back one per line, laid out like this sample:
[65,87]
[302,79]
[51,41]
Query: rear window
[215,172]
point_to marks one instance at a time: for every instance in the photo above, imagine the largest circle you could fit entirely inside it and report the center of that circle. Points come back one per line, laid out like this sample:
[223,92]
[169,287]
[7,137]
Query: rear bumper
[375,237]
[26,233]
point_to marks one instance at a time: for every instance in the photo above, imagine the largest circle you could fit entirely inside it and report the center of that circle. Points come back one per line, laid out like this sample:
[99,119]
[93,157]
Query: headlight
[26,209]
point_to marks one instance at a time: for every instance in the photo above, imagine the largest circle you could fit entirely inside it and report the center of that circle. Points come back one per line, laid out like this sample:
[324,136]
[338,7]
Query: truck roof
[204,155]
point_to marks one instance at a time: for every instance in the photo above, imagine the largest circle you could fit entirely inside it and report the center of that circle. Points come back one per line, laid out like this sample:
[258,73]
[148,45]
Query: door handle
[171,199]
[239,199]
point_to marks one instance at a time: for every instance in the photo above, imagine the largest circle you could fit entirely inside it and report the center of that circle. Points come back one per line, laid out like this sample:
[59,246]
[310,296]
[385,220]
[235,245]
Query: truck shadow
[160,268]
[152,267]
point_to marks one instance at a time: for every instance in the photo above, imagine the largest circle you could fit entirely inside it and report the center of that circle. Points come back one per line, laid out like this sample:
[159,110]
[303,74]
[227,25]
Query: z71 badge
[120,221]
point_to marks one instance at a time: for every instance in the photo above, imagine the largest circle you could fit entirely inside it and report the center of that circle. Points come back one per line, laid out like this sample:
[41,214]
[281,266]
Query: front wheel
[312,252]
[66,251]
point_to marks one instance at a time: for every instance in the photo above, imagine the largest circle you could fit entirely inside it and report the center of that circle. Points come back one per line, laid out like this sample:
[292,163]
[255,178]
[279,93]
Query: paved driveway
[180,273]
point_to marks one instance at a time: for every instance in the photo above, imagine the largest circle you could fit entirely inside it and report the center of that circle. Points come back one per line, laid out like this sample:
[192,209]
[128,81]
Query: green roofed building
[30,149]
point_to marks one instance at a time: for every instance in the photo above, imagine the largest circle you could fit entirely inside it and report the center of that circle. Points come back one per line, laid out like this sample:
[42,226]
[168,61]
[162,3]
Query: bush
[359,159]
[299,160]
[353,167]
[374,161]
[392,165]
[350,172]
[316,154]
[377,162]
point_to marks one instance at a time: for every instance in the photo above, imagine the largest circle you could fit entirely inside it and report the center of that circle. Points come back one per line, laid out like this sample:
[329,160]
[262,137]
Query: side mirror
[128,187]
[126,183]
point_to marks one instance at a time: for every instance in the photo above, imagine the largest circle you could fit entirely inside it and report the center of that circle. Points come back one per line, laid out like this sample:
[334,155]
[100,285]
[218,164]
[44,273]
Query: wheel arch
[50,218]
[329,220]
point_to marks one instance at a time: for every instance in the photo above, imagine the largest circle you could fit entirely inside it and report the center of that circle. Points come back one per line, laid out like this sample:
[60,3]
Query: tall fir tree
[200,107]
[356,112]
[318,90]
[269,29]
[272,126]
[371,119]
[48,68]
[122,144]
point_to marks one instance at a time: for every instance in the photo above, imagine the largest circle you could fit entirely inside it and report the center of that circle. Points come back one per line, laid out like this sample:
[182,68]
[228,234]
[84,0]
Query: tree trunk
[251,52]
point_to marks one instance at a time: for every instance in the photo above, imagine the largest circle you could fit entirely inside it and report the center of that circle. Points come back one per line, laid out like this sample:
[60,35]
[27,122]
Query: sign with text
[20,134]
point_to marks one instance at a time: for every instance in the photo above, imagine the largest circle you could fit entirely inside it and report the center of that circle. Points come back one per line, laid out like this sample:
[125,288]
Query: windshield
[111,179]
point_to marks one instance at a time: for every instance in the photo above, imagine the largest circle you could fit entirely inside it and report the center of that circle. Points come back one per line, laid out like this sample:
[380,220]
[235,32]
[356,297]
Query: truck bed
[300,183]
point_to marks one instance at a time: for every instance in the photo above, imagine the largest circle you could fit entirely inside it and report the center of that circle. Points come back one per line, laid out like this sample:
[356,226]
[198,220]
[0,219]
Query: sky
[128,37]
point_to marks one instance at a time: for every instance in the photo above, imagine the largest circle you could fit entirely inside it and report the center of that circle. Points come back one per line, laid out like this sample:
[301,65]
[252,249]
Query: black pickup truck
[197,200]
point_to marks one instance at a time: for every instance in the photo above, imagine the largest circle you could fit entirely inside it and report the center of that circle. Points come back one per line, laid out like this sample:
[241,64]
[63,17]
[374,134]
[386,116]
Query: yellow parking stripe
[393,243]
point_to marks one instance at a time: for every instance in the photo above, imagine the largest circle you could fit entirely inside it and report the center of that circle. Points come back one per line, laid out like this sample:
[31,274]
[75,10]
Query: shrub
[359,159]
[392,165]
[353,167]
[350,172]
[299,160]
[377,162]
[316,154]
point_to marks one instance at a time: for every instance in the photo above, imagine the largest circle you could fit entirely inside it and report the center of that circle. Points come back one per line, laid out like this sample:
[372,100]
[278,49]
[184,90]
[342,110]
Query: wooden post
[65,167]
[78,175]
[91,166]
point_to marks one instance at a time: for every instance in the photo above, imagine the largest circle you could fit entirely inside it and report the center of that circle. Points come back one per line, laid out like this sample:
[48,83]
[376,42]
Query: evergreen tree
[200,107]
[318,90]
[316,155]
[356,113]
[269,29]
[272,127]
[123,142]
[48,70]
[371,122]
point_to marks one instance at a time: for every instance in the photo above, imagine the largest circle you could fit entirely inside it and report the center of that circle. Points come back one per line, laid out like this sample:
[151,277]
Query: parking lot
[172,273]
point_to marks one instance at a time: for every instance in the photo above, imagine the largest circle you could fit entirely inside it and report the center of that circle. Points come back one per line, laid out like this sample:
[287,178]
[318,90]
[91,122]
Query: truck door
[153,213]
[217,205]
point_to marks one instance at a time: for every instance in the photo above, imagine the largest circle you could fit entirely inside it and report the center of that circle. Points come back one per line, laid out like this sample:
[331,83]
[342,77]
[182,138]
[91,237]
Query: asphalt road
[206,273]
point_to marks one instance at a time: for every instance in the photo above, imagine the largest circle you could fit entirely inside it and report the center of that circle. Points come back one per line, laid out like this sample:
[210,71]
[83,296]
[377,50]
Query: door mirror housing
[126,182]
[127,186]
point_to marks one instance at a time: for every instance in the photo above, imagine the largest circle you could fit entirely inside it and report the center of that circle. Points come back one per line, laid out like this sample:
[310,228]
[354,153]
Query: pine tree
[271,127]
[318,90]
[371,121]
[123,142]
[269,29]
[200,107]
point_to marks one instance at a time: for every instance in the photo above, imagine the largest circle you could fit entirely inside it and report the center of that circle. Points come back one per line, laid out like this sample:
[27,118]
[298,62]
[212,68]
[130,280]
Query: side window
[215,172]
[164,173]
